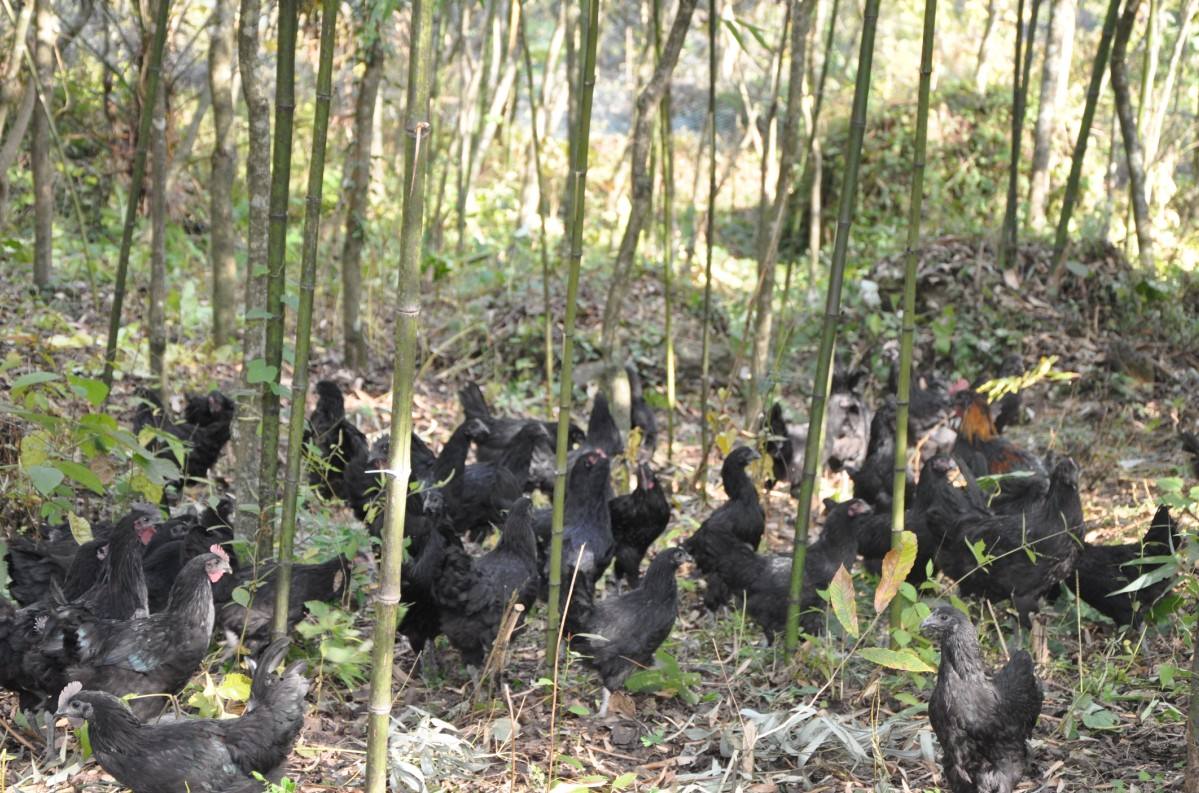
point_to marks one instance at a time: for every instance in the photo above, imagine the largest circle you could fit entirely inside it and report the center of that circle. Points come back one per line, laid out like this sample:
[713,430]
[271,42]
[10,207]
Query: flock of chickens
[134,611]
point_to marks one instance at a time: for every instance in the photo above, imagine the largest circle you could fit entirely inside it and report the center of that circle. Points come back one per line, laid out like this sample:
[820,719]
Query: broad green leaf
[33,378]
[34,449]
[150,491]
[235,686]
[896,566]
[81,474]
[578,710]
[1101,719]
[1149,579]
[258,313]
[257,371]
[624,780]
[94,391]
[905,660]
[81,530]
[845,608]
[241,596]
[45,478]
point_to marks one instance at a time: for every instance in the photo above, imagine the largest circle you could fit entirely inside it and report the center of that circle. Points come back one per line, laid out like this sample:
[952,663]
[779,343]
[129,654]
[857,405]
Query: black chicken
[837,545]
[1103,569]
[163,563]
[873,529]
[333,439]
[1008,408]
[490,488]
[586,525]
[982,722]
[35,566]
[205,437]
[472,594]
[779,447]
[873,481]
[504,430]
[617,635]
[1030,552]
[119,593]
[197,755]
[640,413]
[251,624]
[148,655]
[363,490]
[1190,444]
[441,481]
[638,518]
[421,624]
[979,444]
[602,432]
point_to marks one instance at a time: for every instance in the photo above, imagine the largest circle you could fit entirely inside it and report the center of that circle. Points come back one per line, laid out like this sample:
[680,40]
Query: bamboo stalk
[299,382]
[285,106]
[418,127]
[705,388]
[1023,67]
[542,211]
[666,144]
[580,148]
[908,334]
[153,76]
[1080,147]
[832,315]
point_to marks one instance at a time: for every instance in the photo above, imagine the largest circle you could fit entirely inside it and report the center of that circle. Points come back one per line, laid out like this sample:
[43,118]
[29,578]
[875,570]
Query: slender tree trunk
[1190,783]
[221,246]
[1080,147]
[1149,61]
[246,447]
[358,170]
[580,149]
[43,171]
[153,75]
[1020,77]
[666,146]
[418,126]
[1157,121]
[156,310]
[643,180]
[832,313]
[801,19]
[478,99]
[10,84]
[1055,77]
[1128,129]
[299,383]
[12,141]
[982,68]
[705,386]
[500,81]
[285,106]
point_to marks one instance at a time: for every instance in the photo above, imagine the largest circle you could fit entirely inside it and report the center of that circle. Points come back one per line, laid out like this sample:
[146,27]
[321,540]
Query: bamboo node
[388,600]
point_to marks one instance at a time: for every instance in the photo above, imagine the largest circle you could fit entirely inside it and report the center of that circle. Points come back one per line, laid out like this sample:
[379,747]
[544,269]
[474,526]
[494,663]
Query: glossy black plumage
[333,441]
[982,722]
[205,430]
[489,489]
[587,540]
[641,415]
[472,594]
[837,545]
[163,563]
[120,591]
[638,518]
[198,755]
[1103,569]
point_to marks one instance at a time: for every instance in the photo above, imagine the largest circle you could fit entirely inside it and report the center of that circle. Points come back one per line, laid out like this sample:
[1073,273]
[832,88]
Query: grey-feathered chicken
[197,755]
[983,722]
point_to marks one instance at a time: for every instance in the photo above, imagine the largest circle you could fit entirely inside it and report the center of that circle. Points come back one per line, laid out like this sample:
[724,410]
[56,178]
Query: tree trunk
[1154,134]
[1190,783]
[246,448]
[801,18]
[221,245]
[644,112]
[12,142]
[10,86]
[1009,241]
[156,310]
[1080,147]
[1128,130]
[358,177]
[1055,77]
[982,69]
[43,171]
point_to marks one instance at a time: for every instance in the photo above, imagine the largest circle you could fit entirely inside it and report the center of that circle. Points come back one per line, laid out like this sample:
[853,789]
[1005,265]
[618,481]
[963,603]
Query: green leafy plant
[666,678]
[340,644]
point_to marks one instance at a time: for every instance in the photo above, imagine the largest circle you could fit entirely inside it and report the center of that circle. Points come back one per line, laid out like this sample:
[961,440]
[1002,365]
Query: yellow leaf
[34,449]
[81,530]
[896,566]
[845,608]
[724,441]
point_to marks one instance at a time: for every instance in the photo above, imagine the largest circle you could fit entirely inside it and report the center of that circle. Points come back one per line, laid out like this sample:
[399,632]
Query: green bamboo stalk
[666,144]
[299,383]
[276,257]
[580,148]
[542,211]
[705,387]
[418,127]
[1022,71]
[154,73]
[832,315]
[1080,147]
[907,336]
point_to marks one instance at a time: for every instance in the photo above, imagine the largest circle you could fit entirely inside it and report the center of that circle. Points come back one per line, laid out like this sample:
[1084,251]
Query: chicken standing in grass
[197,755]
[638,518]
[617,635]
[982,721]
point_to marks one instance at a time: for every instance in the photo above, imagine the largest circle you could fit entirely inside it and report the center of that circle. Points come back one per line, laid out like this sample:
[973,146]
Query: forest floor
[736,715]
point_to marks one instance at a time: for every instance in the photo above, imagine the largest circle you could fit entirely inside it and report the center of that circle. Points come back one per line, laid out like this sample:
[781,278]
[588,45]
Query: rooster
[979,444]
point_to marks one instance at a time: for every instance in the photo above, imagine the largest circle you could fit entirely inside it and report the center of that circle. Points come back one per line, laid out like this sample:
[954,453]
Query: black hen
[364,491]
[442,479]
[1031,552]
[120,591]
[1103,569]
[504,430]
[602,432]
[618,635]
[430,541]
[334,439]
[490,488]
[205,431]
[35,566]
[779,447]
[640,413]
[251,624]
[1190,444]
[472,594]
[162,564]
[197,755]
[837,545]
[586,525]
[982,722]
[1008,408]
[873,481]
[638,518]
[150,655]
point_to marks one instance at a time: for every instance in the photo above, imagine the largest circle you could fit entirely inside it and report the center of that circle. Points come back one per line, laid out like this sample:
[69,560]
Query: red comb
[961,385]
[219,551]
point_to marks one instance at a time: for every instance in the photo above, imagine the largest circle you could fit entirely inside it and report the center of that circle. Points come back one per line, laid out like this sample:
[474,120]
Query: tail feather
[473,403]
[1163,531]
